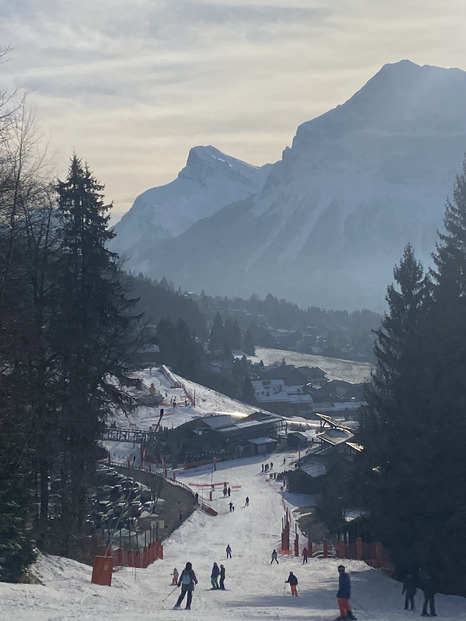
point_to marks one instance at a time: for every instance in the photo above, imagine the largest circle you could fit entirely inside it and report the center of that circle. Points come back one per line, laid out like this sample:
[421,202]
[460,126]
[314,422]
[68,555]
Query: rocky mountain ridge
[326,224]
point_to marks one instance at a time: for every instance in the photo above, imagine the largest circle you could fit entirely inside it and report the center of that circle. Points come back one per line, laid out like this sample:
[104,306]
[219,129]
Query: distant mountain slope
[209,181]
[331,220]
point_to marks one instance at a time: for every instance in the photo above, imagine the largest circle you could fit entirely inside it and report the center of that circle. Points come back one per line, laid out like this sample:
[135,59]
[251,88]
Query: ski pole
[170,593]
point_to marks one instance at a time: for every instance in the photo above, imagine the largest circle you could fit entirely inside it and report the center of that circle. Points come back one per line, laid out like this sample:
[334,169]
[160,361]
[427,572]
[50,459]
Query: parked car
[135,509]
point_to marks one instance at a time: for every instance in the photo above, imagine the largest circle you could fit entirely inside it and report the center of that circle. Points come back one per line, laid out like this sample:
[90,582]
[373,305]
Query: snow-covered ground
[335,368]
[255,589]
[191,401]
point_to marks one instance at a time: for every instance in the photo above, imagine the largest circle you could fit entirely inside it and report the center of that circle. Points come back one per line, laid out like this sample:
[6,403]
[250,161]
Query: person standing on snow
[222,577]
[344,595]
[175,575]
[409,590]
[186,582]
[293,582]
[274,557]
[305,555]
[228,551]
[426,585]
[214,576]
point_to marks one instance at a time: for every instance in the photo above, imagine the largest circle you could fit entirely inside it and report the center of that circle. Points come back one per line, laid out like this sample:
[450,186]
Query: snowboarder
[305,555]
[214,576]
[426,585]
[274,557]
[175,575]
[186,581]
[293,582]
[409,590]
[222,577]
[344,595]
[228,551]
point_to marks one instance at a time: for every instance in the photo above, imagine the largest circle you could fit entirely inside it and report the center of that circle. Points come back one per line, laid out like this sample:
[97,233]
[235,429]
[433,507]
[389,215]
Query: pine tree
[216,341]
[447,333]
[393,430]
[91,334]
[248,344]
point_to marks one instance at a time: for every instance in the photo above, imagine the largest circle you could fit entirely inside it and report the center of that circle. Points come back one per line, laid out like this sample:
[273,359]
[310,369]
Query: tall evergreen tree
[216,340]
[447,332]
[393,430]
[91,335]
[248,343]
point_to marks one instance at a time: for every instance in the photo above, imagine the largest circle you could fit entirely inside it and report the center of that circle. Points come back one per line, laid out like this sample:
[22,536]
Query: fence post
[379,553]
[359,549]
[309,548]
[325,546]
[341,549]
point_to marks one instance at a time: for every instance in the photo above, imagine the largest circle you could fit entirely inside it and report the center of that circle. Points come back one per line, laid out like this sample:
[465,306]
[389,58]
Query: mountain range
[325,225]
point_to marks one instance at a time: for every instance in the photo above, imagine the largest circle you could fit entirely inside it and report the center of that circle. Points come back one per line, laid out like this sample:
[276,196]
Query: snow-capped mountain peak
[327,223]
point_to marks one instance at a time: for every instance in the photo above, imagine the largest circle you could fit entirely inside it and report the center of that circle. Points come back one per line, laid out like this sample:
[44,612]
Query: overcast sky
[132,85]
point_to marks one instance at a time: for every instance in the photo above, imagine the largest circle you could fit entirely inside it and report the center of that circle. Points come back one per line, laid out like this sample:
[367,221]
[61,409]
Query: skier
[214,576]
[228,551]
[247,501]
[274,557]
[409,590]
[305,555]
[186,581]
[175,575]
[232,508]
[344,594]
[222,577]
[426,585]
[293,582]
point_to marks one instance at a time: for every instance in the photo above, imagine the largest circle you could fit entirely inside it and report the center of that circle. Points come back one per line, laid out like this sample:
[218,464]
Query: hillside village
[187,426]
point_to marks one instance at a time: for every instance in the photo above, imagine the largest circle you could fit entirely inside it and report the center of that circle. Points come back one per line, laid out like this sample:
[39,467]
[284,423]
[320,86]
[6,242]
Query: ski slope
[255,589]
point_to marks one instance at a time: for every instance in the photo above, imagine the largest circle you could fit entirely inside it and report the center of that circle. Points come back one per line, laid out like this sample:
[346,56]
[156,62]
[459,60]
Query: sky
[132,86]
[255,589]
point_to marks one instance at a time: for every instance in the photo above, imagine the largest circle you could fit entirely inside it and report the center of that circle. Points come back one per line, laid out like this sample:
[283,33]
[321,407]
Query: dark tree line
[65,324]
[226,336]
[413,466]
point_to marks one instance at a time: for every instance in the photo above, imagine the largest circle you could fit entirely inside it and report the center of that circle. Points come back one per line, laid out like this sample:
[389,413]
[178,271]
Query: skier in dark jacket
[214,576]
[409,590]
[222,577]
[344,595]
[426,584]
[293,582]
[186,581]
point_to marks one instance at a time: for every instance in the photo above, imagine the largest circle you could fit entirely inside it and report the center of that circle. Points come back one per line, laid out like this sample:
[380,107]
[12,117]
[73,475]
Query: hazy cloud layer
[131,86]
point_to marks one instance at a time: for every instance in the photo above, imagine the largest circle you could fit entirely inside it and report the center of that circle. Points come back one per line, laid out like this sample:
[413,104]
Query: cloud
[133,85]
